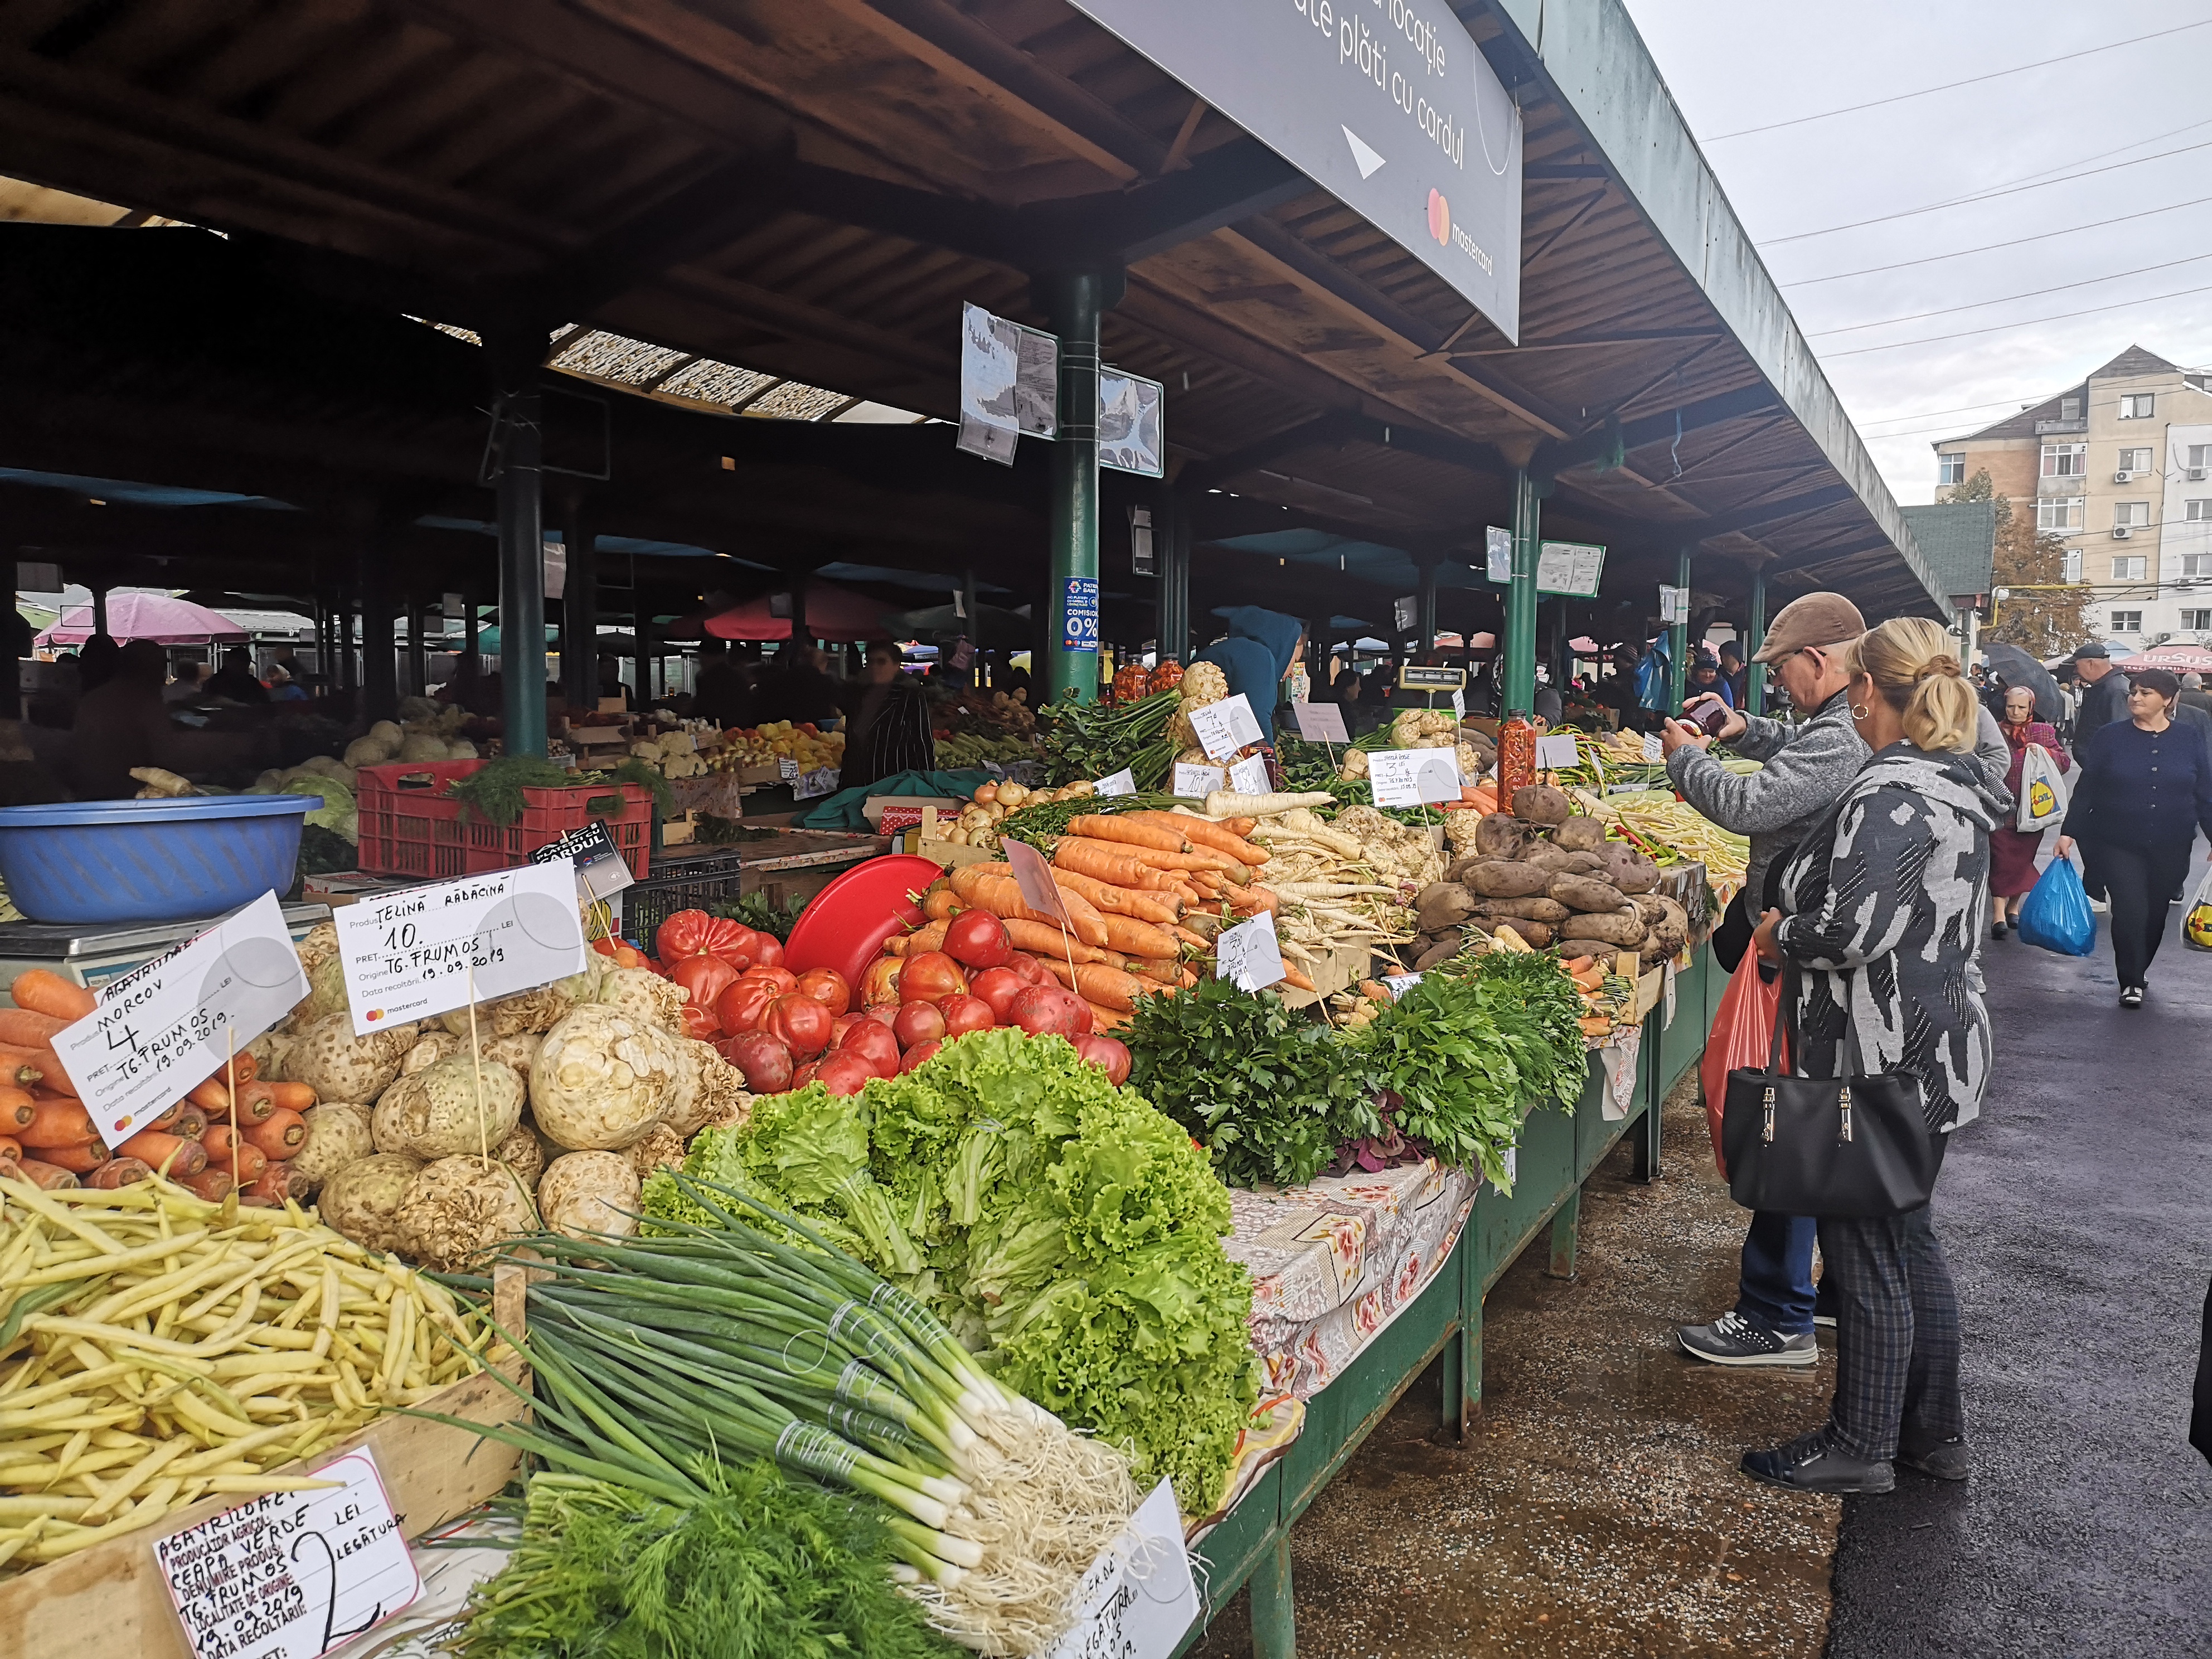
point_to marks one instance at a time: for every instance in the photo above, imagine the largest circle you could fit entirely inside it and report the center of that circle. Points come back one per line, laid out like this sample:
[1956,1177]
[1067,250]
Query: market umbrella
[2018,668]
[155,616]
[2174,658]
[992,628]
[832,613]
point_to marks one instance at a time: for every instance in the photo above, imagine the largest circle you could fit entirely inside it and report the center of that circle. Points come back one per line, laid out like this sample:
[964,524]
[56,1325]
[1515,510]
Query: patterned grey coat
[1884,919]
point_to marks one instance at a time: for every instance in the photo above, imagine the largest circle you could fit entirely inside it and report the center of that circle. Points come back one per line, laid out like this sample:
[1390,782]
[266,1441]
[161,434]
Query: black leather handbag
[1857,1146]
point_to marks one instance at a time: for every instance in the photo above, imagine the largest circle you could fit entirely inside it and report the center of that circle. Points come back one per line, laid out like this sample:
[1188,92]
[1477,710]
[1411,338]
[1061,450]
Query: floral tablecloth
[1335,1261]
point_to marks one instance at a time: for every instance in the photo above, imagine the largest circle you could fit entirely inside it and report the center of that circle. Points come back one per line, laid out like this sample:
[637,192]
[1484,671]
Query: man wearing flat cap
[2104,690]
[1807,768]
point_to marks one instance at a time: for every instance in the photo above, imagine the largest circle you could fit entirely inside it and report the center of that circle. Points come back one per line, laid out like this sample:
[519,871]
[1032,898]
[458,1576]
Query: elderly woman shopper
[2145,790]
[2012,851]
[1881,913]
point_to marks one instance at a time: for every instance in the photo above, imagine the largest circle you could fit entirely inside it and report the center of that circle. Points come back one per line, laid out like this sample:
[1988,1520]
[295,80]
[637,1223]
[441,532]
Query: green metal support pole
[1519,644]
[1678,640]
[522,569]
[1754,676]
[1073,302]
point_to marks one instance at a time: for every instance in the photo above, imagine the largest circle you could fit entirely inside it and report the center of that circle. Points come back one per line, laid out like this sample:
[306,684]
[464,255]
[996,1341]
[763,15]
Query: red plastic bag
[1742,1038]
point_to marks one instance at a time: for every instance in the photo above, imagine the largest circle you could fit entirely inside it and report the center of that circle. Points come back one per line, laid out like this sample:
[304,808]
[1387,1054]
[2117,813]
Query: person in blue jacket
[1258,653]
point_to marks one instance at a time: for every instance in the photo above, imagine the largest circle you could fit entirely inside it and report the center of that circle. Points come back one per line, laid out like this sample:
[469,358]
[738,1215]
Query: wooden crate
[109,1602]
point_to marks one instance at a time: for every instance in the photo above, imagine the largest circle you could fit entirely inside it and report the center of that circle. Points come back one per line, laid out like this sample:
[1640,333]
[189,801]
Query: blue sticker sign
[1080,615]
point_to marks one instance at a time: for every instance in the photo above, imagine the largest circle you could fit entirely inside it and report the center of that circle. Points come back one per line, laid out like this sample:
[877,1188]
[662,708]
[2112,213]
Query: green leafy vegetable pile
[1067,1232]
[1269,1093]
[767,1568]
[1097,739]
[756,912]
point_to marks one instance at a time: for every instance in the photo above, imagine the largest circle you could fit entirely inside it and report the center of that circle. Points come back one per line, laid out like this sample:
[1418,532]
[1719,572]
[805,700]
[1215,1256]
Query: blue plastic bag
[2057,915]
[1654,678]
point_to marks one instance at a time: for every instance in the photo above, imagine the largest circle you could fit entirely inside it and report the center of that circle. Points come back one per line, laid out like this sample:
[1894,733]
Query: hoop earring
[1859,714]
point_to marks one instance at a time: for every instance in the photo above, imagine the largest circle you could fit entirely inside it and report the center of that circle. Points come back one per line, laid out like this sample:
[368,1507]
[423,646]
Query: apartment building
[2120,467]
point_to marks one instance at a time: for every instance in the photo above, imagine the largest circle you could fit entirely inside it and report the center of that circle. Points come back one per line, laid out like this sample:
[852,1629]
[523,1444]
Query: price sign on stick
[410,954]
[1139,1600]
[1249,955]
[1557,752]
[1196,782]
[1459,704]
[1654,750]
[1414,777]
[1249,777]
[1033,877]
[1123,782]
[291,1575]
[162,1028]
[1224,728]
[1320,723]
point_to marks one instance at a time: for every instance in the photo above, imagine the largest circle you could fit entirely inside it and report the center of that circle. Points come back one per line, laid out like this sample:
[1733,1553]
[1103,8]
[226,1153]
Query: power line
[1949,86]
[1999,328]
[1976,304]
[1983,195]
[1987,247]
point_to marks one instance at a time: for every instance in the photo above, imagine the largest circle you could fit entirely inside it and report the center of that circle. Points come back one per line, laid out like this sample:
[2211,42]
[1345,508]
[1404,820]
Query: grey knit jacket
[1807,768]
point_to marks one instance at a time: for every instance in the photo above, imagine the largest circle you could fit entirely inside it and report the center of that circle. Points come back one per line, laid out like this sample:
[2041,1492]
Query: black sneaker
[1939,1460]
[2131,996]
[1807,1464]
[1732,1340]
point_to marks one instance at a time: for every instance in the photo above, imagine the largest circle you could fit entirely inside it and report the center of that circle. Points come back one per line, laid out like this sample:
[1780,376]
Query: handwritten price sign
[409,955]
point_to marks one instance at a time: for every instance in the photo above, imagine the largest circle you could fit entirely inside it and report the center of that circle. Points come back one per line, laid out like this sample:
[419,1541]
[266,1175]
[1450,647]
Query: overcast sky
[1734,64]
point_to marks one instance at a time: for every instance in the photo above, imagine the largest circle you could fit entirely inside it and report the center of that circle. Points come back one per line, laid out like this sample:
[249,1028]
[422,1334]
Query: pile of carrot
[205,1141]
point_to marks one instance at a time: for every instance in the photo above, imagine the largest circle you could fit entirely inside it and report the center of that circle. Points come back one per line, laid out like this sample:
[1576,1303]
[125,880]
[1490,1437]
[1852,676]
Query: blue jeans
[1776,1292]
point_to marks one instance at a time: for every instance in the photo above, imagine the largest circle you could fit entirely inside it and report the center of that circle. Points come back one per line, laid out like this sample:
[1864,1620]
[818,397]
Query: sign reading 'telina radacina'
[1386,104]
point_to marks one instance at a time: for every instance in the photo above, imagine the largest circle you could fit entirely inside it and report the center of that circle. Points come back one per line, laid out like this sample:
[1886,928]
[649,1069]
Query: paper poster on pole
[1248,956]
[1320,723]
[1130,409]
[1226,727]
[1123,782]
[1196,782]
[421,952]
[1249,777]
[164,1028]
[292,1575]
[1414,777]
[1569,567]
[1497,555]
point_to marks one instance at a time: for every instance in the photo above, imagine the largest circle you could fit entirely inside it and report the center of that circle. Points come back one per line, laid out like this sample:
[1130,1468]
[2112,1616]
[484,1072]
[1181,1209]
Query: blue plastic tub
[107,861]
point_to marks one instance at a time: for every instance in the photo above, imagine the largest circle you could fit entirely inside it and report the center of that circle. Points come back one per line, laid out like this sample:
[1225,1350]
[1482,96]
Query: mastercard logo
[1439,218]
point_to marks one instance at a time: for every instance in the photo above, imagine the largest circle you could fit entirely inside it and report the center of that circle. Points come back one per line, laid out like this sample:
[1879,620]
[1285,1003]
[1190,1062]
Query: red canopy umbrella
[2174,658]
[155,616]
[832,613]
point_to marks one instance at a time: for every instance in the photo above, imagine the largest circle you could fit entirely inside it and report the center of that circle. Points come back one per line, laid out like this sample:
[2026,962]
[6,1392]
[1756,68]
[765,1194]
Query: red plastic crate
[411,827]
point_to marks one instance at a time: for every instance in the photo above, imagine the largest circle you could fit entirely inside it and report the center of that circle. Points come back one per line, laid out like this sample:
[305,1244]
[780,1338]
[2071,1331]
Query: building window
[2196,564]
[2130,512]
[2131,567]
[2199,508]
[1950,470]
[2070,408]
[2200,455]
[2073,568]
[2064,513]
[2134,460]
[2137,406]
[2127,621]
[2065,460]
[2197,621]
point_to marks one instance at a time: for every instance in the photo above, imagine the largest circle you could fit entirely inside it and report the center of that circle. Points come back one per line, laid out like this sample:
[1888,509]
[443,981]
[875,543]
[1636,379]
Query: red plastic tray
[846,924]
[411,827]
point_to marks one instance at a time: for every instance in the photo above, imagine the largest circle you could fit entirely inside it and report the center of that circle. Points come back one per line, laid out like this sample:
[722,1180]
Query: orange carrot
[80,1159]
[11,1148]
[50,1177]
[1200,860]
[1109,987]
[290,1096]
[1104,861]
[1045,939]
[17,1109]
[158,1149]
[1238,826]
[211,1098]
[56,1120]
[28,1029]
[1253,900]
[1296,976]
[119,1172]
[1141,938]
[269,1189]
[239,1155]
[1106,1019]
[168,1119]
[992,887]
[1151,967]
[44,993]
[1190,937]
[280,1134]
[1206,833]
[24,1064]
[1136,829]
[191,1124]
[1119,900]
[939,902]
[213,1185]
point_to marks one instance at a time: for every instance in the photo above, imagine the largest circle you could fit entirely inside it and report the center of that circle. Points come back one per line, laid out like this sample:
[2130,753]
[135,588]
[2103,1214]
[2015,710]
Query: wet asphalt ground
[2077,1214]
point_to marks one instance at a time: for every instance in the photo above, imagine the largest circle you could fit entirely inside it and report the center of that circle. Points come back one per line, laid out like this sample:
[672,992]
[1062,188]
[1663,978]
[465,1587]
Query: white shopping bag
[2042,789]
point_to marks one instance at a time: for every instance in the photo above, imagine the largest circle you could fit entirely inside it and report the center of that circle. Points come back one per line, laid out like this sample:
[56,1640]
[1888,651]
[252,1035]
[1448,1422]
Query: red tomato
[805,1075]
[743,1002]
[699,1023]
[840,1025]
[919,1053]
[736,943]
[768,951]
[846,1073]
[872,1040]
[931,976]
[964,1014]
[918,1022]
[976,939]
[798,1022]
[1044,1011]
[782,978]
[704,977]
[765,1062]
[1031,970]
[827,987]
[1108,1054]
[879,985]
[684,934]
[998,986]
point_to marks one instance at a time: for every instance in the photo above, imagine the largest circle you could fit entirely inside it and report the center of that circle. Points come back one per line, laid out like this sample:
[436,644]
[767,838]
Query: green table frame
[1252,1544]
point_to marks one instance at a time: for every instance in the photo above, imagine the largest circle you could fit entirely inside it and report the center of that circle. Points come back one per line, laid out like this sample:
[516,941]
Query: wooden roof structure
[810,189]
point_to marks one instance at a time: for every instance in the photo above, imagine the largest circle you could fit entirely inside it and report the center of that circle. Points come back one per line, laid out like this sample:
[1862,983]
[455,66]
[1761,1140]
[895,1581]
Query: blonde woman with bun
[1882,911]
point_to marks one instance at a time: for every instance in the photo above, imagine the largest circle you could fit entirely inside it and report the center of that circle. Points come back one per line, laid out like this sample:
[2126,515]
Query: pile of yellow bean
[155,1348]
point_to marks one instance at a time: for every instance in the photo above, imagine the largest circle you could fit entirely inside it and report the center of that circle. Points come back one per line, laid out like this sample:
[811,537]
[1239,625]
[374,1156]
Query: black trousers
[2143,883]
[1897,1334]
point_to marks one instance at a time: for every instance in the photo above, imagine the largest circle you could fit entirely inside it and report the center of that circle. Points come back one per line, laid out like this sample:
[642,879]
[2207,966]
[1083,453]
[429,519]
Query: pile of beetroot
[783,1030]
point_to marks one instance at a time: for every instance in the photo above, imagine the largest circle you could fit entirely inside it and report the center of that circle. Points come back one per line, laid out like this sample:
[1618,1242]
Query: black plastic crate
[690,885]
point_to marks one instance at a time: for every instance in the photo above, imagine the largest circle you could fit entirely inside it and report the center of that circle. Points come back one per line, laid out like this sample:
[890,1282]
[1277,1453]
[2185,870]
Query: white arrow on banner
[1364,155]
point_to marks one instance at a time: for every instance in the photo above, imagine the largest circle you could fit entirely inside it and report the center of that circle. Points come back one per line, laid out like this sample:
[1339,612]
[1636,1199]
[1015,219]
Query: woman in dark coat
[2012,851]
